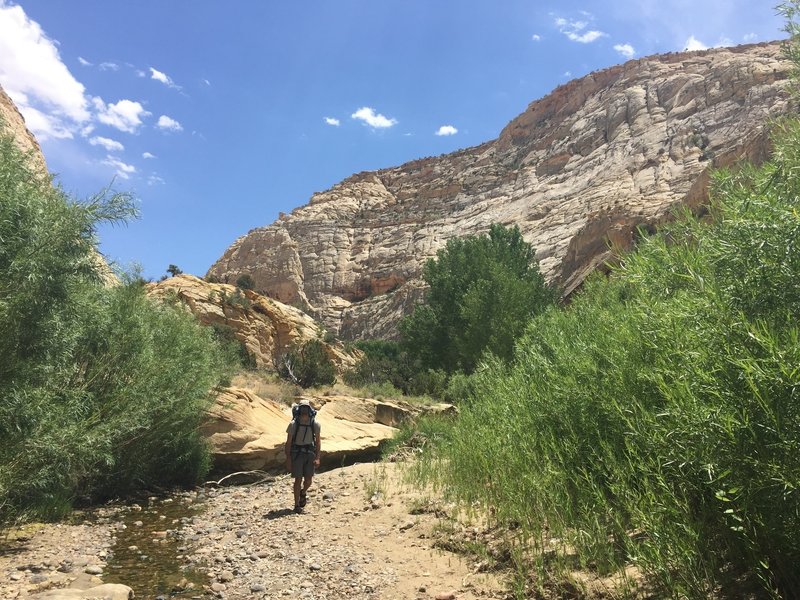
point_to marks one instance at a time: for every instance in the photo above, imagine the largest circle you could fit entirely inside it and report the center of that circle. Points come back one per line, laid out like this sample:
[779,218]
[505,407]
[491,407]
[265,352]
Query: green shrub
[307,366]
[483,290]
[101,390]
[245,282]
[655,421]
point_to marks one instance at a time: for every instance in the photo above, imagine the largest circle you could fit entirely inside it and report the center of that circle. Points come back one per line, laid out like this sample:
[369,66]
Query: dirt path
[357,538]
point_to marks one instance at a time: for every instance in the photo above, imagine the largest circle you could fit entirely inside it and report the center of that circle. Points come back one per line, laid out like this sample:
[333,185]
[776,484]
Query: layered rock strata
[266,328]
[582,168]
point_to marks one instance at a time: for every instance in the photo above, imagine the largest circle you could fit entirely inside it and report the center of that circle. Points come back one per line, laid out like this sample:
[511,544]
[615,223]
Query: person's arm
[287,449]
[318,449]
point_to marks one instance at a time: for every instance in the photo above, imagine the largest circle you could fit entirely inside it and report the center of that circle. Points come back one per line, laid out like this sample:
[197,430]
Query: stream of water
[149,554]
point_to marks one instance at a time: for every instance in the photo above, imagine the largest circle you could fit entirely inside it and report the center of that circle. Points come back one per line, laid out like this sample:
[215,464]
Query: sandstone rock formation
[12,121]
[583,167]
[248,432]
[265,327]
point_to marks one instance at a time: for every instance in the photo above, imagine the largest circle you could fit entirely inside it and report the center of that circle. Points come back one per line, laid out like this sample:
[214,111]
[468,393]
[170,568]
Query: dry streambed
[356,539]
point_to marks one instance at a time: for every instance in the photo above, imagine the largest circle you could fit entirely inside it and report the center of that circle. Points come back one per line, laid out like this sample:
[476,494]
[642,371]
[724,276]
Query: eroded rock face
[584,166]
[265,327]
[248,432]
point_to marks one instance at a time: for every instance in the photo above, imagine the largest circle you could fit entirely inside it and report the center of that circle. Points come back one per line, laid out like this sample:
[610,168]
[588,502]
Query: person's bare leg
[297,485]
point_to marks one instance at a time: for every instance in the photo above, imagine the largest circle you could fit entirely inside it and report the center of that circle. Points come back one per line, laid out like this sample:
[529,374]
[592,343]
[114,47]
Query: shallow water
[149,554]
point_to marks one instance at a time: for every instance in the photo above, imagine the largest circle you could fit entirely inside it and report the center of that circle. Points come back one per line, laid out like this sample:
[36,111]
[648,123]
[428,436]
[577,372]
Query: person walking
[303,447]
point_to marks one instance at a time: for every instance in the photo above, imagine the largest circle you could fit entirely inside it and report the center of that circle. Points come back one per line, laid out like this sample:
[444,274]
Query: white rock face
[581,168]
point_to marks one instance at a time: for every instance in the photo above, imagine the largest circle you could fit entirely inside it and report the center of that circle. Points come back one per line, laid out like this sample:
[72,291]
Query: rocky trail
[363,535]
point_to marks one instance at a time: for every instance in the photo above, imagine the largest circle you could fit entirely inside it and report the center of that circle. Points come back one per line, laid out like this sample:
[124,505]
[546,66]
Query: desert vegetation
[654,422]
[101,390]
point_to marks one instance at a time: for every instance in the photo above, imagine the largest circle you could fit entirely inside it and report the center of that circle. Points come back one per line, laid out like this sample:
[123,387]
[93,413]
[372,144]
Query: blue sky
[218,116]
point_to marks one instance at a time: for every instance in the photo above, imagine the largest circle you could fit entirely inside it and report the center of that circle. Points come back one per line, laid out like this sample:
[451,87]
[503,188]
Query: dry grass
[267,385]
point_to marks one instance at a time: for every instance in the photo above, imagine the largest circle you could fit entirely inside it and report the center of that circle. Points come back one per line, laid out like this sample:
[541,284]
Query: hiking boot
[303,500]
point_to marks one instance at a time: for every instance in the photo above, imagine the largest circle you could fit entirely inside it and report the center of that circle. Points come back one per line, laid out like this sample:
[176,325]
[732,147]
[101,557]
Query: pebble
[94,570]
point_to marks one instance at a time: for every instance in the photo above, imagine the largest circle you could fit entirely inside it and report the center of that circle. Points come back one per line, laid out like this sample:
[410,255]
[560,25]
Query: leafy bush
[656,420]
[307,366]
[483,290]
[101,390]
[245,282]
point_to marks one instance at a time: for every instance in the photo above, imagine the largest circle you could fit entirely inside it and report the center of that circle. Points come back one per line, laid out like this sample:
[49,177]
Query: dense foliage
[101,390]
[656,421]
[307,365]
[483,290]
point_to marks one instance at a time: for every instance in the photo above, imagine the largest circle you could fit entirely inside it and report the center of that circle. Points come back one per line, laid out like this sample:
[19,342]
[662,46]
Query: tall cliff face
[581,168]
[12,121]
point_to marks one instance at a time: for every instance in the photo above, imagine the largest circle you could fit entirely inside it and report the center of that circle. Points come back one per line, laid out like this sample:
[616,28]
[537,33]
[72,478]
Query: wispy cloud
[693,44]
[107,143]
[163,78]
[576,30]
[32,73]
[625,50]
[122,169]
[108,66]
[373,119]
[148,155]
[168,124]
[750,37]
[155,180]
[84,62]
[536,37]
[125,115]
[332,121]
[446,130]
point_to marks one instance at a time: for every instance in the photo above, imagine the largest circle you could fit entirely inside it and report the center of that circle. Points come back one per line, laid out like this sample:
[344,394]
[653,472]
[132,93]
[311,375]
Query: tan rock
[583,167]
[248,432]
[106,591]
[266,327]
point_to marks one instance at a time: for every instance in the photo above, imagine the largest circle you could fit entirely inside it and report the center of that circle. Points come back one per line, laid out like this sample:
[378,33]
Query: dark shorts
[302,463]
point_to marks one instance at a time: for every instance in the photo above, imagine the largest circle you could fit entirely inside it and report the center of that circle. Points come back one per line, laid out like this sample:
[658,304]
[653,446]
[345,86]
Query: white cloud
[155,180]
[750,37]
[332,121]
[88,129]
[163,78]
[84,62]
[108,66]
[107,143]
[140,73]
[207,82]
[693,44]
[52,101]
[536,37]
[376,121]
[125,115]
[166,123]
[625,50]
[576,30]
[148,155]
[123,170]
[446,130]
[567,74]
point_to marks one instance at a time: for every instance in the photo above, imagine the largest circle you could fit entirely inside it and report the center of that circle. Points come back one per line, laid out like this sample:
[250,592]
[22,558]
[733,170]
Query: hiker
[302,450]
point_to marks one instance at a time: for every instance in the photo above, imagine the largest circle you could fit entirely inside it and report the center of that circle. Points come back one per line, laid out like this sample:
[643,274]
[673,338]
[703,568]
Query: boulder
[107,591]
